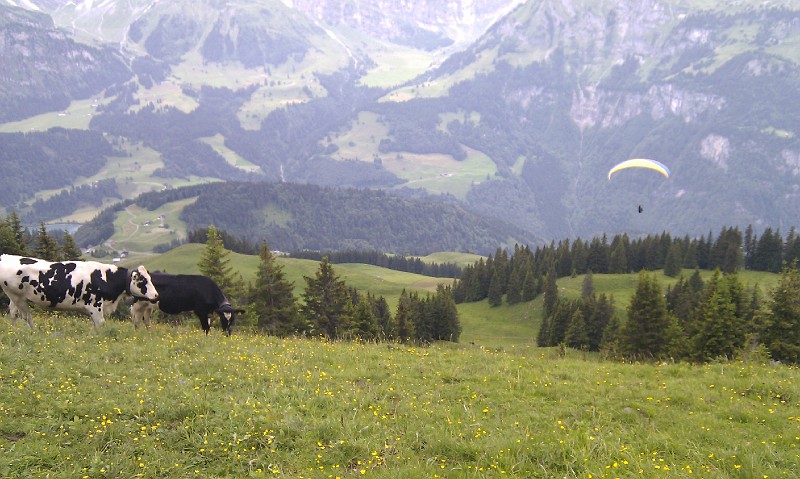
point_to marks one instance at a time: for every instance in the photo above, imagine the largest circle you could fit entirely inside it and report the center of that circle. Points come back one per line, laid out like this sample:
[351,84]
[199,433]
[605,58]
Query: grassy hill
[503,326]
[174,403]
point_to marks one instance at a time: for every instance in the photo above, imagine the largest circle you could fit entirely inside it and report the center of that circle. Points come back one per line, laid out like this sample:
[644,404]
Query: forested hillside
[44,69]
[294,217]
[521,125]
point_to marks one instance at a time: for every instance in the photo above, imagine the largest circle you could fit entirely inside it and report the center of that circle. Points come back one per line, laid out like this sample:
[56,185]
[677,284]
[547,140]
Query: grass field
[171,402]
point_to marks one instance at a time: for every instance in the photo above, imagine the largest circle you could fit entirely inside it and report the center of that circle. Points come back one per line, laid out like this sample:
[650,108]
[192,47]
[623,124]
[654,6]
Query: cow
[84,286]
[187,292]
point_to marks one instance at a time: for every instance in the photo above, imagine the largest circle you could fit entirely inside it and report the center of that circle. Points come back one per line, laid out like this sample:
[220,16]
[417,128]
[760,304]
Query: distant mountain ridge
[520,125]
[297,217]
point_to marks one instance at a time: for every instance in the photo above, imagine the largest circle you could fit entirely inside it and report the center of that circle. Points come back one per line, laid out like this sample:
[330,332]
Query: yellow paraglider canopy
[640,163]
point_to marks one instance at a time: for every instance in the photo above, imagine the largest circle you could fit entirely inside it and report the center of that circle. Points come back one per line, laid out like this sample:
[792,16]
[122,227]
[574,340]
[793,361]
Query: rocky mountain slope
[521,122]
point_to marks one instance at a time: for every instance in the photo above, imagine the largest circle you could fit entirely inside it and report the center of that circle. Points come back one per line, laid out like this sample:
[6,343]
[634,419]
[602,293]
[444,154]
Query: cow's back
[70,285]
[185,292]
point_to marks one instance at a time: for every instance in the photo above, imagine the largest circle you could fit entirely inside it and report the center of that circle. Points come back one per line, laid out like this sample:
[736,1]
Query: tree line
[329,307]
[694,320]
[521,276]
[16,238]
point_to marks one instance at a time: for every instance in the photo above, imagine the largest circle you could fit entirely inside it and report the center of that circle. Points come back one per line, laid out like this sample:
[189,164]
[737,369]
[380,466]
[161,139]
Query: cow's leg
[148,314]
[139,314]
[204,322]
[19,307]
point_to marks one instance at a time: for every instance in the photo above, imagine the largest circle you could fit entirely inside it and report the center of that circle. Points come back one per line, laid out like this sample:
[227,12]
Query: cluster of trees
[304,216]
[521,276]
[695,320]
[394,262]
[17,239]
[330,308]
[68,200]
[29,163]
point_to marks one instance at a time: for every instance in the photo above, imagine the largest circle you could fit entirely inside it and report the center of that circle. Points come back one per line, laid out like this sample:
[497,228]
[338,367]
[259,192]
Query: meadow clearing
[171,402]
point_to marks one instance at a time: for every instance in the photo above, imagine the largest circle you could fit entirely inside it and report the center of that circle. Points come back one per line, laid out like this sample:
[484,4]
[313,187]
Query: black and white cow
[84,286]
[187,292]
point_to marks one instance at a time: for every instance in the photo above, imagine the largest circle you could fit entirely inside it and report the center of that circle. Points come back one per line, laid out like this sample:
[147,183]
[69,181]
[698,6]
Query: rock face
[43,68]
[423,24]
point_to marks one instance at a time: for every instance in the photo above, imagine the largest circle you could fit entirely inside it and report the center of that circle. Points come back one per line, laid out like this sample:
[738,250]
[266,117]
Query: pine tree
[550,292]
[718,329]
[587,287]
[618,258]
[529,289]
[327,301]
[515,284]
[673,261]
[649,330]
[609,343]
[544,337]
[21,234]
[444,314]
[271,296]
[576,335]
[404,319]
[46,246]
[69,250]
[782,330]
[363,323]
[215,264]
[380,308]
[496,290]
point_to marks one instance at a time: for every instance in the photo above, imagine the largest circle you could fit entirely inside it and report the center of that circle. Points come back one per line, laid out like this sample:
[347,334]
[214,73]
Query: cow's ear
[239,311]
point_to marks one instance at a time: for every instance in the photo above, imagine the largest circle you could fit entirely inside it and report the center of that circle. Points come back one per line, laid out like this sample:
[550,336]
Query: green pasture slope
[503,326]
[171,402]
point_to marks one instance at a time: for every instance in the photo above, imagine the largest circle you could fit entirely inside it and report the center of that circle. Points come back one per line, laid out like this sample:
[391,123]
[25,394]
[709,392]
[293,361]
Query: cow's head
[227,316]
[140,285]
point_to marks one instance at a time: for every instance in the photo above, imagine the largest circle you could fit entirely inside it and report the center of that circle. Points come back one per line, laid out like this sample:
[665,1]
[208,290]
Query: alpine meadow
[332,239]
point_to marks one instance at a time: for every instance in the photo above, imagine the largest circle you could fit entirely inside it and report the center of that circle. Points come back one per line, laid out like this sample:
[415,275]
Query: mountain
[44,69]
[297,217]
[515,110]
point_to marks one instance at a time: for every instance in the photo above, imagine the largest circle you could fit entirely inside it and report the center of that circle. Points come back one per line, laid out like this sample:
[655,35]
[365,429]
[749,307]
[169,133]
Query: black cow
[187,292]
[84,286]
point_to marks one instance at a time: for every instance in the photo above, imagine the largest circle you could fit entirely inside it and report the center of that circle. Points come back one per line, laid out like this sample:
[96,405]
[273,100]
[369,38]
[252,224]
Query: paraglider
[640,163]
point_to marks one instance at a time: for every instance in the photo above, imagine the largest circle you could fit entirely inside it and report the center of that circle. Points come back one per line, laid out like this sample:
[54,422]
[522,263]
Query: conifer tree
[404,319]
[363,323]
[215,264]
[782,330]
[598,312]
[271,296]
[46,246]
[21,234]
[447,326]
[543,338]
[576,335]
[618,257]
[649,330]
[496,290]
[587,287]
[550,292]
[718,329]
[380,308]
[609,343]
[515,283]
[8,244]
[327,301]
[673,261]
[529,289]
[69,250]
